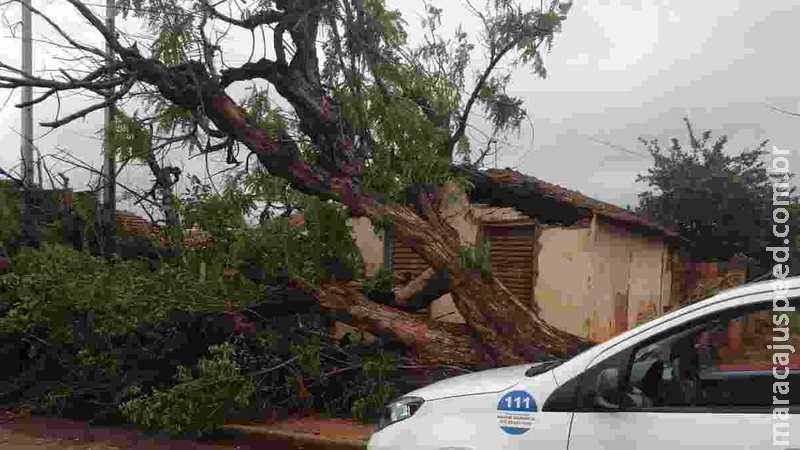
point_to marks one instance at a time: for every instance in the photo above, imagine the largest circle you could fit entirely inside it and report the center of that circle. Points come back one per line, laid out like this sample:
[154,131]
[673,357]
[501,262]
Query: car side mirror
[607,394]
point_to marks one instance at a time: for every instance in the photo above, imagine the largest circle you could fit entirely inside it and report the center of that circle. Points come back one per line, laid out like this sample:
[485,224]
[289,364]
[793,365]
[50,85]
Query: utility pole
[26,146]
[28,214]
[108,202]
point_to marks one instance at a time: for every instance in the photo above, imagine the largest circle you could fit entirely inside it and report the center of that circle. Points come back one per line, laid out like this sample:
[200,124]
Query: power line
[618,147]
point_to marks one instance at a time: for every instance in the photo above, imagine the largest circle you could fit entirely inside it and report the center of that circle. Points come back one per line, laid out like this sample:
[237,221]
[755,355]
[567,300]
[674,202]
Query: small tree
[722,203]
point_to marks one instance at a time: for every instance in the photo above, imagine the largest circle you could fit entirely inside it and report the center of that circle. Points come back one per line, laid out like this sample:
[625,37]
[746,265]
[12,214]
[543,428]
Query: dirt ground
[30,432]
[18,440]
[14,439]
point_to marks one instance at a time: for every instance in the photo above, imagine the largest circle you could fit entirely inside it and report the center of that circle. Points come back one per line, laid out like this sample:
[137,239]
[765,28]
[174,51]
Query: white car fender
[477,422]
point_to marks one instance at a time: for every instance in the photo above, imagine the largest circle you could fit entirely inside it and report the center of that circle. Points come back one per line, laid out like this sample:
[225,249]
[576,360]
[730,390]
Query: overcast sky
[618,71]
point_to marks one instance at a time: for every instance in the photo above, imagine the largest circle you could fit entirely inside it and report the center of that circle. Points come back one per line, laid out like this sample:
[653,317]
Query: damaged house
[594,269]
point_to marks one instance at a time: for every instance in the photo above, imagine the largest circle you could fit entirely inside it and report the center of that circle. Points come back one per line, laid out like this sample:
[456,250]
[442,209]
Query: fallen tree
[370,118]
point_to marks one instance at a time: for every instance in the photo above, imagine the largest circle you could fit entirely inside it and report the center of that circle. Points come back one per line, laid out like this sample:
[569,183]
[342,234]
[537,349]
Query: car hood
[484,382]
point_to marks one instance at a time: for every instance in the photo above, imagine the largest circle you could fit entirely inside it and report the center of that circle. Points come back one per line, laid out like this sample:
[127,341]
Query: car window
[723,362]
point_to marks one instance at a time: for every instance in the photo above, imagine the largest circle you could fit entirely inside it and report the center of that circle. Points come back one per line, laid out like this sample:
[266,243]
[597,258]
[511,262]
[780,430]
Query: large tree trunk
[511,330]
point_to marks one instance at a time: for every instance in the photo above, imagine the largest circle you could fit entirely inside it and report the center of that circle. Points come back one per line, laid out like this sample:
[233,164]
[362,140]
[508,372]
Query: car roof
[756,288]
[729,295]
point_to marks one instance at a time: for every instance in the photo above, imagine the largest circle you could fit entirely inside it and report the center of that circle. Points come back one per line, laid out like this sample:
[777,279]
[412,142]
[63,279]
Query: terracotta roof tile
[578,199]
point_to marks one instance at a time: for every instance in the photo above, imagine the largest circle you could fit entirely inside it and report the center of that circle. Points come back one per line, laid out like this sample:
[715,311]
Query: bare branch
[83,112]
[11,82]
[83,165]
[265,17]
[16,180]
[108,35]
[63,34]
[90,77]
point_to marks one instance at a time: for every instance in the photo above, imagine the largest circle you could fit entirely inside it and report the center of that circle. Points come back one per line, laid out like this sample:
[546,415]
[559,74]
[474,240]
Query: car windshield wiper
[543,367]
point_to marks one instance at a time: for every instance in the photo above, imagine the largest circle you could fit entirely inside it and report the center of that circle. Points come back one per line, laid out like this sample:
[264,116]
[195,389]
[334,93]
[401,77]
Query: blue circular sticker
[515,412]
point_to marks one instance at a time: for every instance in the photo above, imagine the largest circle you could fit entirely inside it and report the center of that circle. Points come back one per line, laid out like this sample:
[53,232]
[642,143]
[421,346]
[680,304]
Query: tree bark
[510,330]
[407,291]
[429,342]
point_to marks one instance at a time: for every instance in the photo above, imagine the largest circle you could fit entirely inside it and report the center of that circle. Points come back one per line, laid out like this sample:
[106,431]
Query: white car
[697,378]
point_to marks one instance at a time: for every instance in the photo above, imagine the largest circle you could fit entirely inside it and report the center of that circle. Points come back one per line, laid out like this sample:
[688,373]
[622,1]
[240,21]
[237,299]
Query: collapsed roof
[550,203]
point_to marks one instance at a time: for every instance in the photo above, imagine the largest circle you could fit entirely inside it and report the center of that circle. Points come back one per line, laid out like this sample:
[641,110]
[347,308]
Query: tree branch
[462,121]
[11,82]
[109,36]
[63,34]
[82,165]
[265,17]
[83,112]
[263,68]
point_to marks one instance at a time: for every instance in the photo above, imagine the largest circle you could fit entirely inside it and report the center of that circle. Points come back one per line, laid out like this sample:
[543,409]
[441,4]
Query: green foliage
[377,368]
[365,407]
[196,402]
[171,115]
[302,250]
[85,206]
[381,281]
[478,257]
[272,190]
[56,398]
[90,357]
[51,232]
[221,214]
[701,191]
[266,337]
[49,283]
[260,111]
[387,21]
[381,223]
[329,236]
[9,213]
[506,113]
[308,355]
[408,146]
[171,45]
[126,138]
